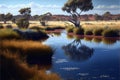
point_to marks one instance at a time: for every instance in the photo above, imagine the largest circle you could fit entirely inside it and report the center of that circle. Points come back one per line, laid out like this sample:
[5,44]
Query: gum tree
[75,8]
[44,18]
[23,22]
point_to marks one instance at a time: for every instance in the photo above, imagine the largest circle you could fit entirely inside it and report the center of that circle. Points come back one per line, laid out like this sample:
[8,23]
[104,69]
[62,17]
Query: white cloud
[110,7]
[36,8]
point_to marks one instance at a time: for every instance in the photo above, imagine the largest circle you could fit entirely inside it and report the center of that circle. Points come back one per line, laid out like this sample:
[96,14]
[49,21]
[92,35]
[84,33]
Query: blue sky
[54,6]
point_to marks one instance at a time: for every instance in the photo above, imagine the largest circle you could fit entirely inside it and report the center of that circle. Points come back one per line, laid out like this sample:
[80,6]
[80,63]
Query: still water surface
[78,58]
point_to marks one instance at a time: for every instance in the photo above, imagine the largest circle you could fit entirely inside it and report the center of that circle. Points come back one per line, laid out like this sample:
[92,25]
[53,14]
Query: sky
[39,7]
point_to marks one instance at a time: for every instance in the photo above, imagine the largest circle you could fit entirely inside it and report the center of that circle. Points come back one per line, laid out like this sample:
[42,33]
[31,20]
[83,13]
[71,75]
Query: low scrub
[88,32]
[9,26]
[97,32]
[70,30]
[1,26]
[54,28]
[9,34]
[79,31]
[110,33]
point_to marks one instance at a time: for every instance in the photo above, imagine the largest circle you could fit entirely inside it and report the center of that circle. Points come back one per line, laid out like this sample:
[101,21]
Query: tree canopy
[72,6]
[75,7]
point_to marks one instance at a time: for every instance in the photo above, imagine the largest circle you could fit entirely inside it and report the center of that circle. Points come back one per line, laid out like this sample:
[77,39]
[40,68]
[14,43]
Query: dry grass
[26,47]
[8,34]
[85,24]
[12,68]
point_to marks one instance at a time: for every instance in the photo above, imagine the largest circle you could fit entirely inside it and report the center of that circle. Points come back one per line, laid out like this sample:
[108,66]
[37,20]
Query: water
[84,59]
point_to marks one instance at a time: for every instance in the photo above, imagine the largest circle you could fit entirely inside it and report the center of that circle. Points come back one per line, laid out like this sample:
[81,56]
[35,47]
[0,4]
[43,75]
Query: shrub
[88,32]
[9,26]
[36,28]
[110,33]
[79,31]
[69,30]
[8,34]
[1,26]
[98,32]
[22,23]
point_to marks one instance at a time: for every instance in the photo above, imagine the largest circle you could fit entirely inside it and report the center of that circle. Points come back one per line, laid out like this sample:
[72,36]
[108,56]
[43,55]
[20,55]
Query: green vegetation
[88,32]
[22,23]
[8,34]
[105,32]
[78,31]
[110,33]
[97,32]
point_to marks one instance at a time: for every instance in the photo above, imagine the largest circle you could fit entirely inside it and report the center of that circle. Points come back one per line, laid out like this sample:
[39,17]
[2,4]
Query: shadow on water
[77,51]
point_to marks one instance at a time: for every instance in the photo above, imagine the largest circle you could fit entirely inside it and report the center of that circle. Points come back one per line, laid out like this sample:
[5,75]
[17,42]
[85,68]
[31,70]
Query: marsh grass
[12,68]
[8,34]
[26,47]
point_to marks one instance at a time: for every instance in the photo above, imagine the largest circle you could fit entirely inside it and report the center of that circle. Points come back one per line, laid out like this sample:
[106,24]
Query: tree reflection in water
[77,51]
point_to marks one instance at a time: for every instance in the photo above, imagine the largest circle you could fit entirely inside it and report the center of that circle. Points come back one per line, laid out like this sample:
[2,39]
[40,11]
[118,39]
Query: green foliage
[88,32]
[72,5]
[44,18]
[79,31]
[97,32]
[22,23]
[110,33]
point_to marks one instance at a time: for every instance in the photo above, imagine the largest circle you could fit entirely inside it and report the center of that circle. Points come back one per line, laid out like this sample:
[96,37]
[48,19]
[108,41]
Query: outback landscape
[55,45]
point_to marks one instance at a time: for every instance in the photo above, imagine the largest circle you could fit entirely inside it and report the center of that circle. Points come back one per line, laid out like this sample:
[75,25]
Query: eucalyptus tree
[6,17]
[23,22]
[75,8]
[44,18]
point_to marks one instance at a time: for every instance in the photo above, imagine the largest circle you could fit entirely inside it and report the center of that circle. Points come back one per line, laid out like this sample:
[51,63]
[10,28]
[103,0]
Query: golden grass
[26,47]
[13,68]
[85,24]
[8,34]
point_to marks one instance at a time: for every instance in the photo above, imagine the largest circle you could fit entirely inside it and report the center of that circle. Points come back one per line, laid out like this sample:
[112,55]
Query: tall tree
[6,17]
[23,22]
[44,18]
[107,16]
[75,7]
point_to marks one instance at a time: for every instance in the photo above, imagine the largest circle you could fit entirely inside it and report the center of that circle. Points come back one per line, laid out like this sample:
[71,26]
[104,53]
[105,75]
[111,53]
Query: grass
[12,68]
[26,47]
[8,34]
[88,32]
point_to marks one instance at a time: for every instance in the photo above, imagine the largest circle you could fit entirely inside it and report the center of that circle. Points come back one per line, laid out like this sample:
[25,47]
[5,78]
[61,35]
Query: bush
[9,26]
[69,30]
[88,32]
[8,34]
[79,31]
[97,32]
[23,23]
[110,33]
[1,26]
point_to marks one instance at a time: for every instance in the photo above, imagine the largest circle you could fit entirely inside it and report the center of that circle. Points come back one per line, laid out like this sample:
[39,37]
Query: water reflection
[77,51]
[97,40]
[109,41]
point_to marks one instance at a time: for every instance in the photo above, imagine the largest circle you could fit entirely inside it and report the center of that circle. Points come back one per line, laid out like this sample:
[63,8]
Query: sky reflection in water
[102,64]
